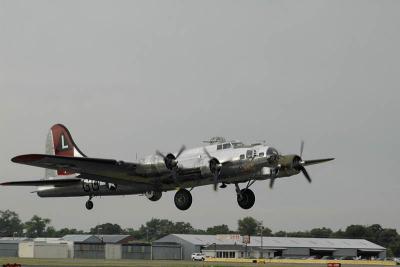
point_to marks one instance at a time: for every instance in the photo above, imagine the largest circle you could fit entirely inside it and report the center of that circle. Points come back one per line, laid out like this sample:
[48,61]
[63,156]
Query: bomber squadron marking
[70,173]
[64,145]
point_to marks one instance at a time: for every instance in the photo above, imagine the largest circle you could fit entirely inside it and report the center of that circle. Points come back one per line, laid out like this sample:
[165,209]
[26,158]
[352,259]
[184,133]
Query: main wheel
[153,195]
[246,199]
[183,199]
[89,204]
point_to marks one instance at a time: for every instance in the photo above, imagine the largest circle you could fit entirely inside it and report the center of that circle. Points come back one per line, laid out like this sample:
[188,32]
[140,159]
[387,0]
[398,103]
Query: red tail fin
[60,143]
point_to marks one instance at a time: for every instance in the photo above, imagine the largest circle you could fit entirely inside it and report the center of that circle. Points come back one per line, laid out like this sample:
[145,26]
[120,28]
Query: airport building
[121,247]
[50,248]
[236,246]
[181,247]
[88,247]
[9,246]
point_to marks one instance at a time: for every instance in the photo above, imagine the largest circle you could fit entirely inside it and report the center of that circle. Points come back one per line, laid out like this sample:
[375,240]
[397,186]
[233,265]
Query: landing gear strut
[183,199]
[245,197]
[89,203]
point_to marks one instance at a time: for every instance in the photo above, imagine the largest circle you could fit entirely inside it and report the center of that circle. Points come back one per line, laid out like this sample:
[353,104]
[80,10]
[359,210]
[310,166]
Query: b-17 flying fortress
[70,173]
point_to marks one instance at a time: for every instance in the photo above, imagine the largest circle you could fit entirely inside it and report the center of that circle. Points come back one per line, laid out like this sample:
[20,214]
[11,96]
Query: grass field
[136,263]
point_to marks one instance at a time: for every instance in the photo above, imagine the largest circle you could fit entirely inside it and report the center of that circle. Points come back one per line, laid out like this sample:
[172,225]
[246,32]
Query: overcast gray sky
[131,77]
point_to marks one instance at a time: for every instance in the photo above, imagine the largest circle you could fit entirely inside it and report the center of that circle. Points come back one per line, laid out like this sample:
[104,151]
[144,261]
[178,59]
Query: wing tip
[26,158]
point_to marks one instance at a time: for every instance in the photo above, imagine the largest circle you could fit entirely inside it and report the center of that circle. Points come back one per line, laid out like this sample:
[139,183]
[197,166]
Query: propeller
[299,166]
[171,162]
[301,148]
[273,176]
[298,163]
[295,162]
[271,182]
[215,168]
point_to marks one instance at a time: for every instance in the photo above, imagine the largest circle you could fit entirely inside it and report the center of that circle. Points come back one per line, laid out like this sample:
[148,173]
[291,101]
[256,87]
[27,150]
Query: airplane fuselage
[244,163]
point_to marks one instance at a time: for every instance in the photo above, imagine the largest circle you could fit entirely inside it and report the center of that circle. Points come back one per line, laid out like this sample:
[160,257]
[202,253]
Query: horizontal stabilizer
[316,161]
[54,182]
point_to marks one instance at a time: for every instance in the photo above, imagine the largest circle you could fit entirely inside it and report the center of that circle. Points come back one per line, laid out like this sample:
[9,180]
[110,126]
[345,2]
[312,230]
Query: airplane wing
[105,170]
[53,182]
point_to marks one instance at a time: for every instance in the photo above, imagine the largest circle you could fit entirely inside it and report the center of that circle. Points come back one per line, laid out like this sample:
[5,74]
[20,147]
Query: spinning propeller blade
[304,171]
[271,182]
[215,168]
[301,148]
[171,162]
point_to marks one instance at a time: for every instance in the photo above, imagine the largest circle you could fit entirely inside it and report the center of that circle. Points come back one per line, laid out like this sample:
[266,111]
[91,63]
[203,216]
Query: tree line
[11,225]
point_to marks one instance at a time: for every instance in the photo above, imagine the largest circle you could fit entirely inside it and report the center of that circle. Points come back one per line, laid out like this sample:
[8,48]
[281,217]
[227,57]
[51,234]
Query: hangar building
[120,247]
[236,246]
[53,248]
[9,246]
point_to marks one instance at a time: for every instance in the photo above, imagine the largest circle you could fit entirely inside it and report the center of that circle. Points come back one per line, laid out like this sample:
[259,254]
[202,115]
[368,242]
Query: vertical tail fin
[60,143]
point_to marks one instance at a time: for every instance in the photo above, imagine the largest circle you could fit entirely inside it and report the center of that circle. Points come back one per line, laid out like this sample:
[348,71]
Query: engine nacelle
[111,187]
[289,161]
[210,167]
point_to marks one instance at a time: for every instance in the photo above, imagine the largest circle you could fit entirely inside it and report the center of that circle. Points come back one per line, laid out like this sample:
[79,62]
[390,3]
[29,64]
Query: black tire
[183,199]
[89,204]
[156,195]
[247,199]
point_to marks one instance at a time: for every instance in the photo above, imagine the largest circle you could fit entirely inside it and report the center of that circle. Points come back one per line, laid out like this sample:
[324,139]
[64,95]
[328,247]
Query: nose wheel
[89,204]
[183,199]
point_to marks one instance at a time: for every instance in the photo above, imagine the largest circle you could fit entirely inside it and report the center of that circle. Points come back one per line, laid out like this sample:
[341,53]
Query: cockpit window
[237,144]
[261,154]
[219,147]
[249,154]
[242,156]
[226,146]
[272,151]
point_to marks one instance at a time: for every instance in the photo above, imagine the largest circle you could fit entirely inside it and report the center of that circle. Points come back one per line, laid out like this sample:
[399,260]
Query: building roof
[13,240]
[48,239]
[274,242]
[82,238]
[113,238]
[52,240]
